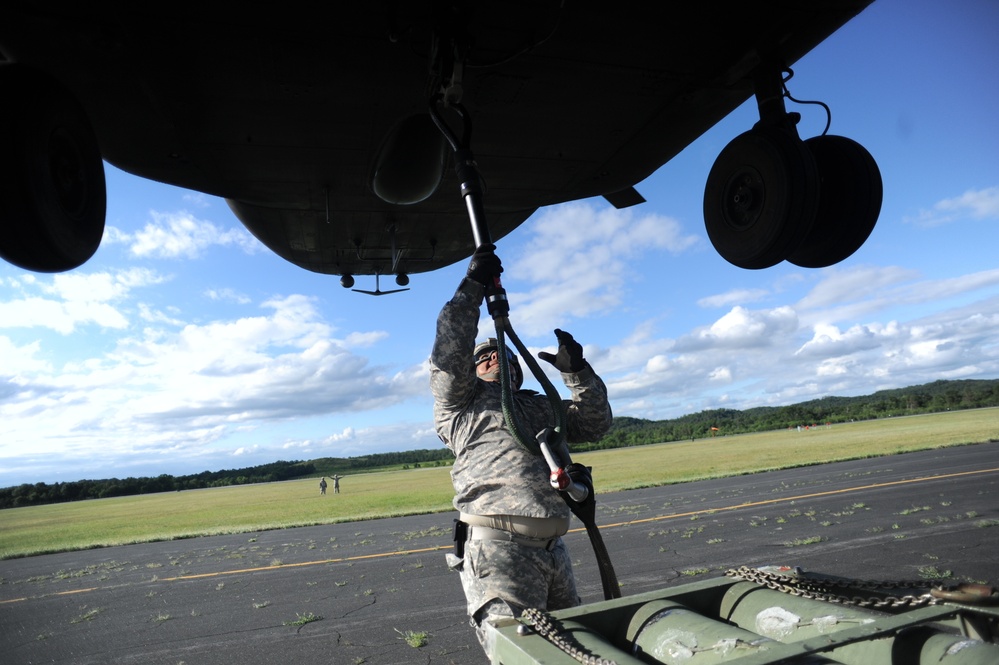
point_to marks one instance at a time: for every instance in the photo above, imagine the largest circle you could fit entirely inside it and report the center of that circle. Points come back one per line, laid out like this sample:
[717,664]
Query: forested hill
[625,431]
[927,398]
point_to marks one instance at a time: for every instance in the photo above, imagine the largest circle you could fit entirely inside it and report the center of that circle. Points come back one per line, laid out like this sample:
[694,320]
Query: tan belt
[487,533]
[535,528]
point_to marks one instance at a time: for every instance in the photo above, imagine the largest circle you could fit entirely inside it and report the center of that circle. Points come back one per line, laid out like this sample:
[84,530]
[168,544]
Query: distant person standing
[322,486]
[336,484]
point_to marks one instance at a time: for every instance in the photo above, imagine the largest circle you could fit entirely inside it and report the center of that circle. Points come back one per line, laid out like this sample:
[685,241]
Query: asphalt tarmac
[352,593]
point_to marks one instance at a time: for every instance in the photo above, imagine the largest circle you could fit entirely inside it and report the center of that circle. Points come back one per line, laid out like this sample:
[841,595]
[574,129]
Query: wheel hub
[743,198]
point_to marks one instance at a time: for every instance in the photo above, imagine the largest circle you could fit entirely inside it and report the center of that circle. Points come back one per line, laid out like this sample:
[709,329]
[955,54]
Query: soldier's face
[487,366]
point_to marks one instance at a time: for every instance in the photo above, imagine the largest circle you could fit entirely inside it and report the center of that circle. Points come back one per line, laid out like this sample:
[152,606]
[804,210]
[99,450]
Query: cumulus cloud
[188,387]
[66,301]
[765,357]
[19,359]
[632,352]
[828,341]
[578,260]
[981,204]
[180,235]
[743,329]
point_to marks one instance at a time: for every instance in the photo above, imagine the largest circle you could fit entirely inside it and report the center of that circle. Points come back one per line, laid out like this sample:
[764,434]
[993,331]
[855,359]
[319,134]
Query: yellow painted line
[359,557]
[57,593]
[382,555]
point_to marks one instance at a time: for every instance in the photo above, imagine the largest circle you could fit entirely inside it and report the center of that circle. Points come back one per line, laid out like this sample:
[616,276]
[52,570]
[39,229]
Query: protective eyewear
[488,353]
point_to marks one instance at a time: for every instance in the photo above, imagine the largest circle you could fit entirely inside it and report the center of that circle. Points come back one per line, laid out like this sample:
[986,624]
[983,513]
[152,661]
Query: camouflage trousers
[501,579]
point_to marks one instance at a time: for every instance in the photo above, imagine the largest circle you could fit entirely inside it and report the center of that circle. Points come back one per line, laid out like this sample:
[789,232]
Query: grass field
[105,522]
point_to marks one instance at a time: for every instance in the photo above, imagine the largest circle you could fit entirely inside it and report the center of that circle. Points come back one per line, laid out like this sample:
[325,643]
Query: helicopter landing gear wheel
[849,204]
[52,189]
[761,197]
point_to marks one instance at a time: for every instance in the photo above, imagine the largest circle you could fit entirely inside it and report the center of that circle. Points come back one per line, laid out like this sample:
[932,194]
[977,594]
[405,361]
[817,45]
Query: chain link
[549,628]
[826,589]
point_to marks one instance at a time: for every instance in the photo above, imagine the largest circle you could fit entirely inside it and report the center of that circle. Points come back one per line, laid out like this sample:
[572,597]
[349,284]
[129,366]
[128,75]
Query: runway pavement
[352,593]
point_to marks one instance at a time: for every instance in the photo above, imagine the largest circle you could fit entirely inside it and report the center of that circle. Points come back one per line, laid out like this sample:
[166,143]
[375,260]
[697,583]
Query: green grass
[248,508]
[303,619]
[415,639]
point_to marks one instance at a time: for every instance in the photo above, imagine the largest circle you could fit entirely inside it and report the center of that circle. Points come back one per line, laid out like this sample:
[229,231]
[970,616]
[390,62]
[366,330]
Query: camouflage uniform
[494,475]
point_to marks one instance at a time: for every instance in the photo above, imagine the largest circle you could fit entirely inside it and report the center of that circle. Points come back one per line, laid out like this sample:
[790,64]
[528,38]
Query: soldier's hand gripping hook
[485,268]
[573,479]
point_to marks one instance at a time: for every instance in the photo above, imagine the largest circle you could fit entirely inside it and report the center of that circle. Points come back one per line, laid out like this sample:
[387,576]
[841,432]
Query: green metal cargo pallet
[749,620]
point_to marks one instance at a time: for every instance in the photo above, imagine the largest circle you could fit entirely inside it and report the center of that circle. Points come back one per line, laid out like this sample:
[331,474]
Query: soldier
[508,545]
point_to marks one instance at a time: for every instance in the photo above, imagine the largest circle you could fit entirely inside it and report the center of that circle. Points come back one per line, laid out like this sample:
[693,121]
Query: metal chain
[820,589]
[549,628]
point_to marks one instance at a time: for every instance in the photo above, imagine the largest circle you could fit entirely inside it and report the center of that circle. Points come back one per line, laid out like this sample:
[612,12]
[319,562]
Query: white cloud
[744,329]
[982,204]
[180,235]
[405,435]
[736,296]
[632,352]
[188,388]
[63,302]
[849,285]
[862,291]
[197,199]
[18,359]
[578,261]
[63,317]
[150,315]
[348,434]
[100,286]
[828,341]
[227,295]
[779,356]
[358,340]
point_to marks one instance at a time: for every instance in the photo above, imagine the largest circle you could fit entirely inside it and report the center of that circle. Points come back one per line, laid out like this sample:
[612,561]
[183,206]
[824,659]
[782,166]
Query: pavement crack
[374,600]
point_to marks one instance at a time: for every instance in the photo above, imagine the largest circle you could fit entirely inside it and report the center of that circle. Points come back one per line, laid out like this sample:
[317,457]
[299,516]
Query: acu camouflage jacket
[493,474]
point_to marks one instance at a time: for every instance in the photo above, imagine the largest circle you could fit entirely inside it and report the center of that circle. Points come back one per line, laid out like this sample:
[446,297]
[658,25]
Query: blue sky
[184,345]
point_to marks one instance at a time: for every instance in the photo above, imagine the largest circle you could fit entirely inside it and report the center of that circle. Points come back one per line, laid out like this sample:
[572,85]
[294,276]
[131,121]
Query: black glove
[484,267]
[569,358]
[585,510]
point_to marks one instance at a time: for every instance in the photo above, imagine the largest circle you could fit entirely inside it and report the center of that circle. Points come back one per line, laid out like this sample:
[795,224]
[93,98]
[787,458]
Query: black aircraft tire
[849,204]
[53,196]
[761,198]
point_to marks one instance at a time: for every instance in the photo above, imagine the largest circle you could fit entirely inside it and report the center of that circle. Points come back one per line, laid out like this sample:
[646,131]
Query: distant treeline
[625,431]
[927,398]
